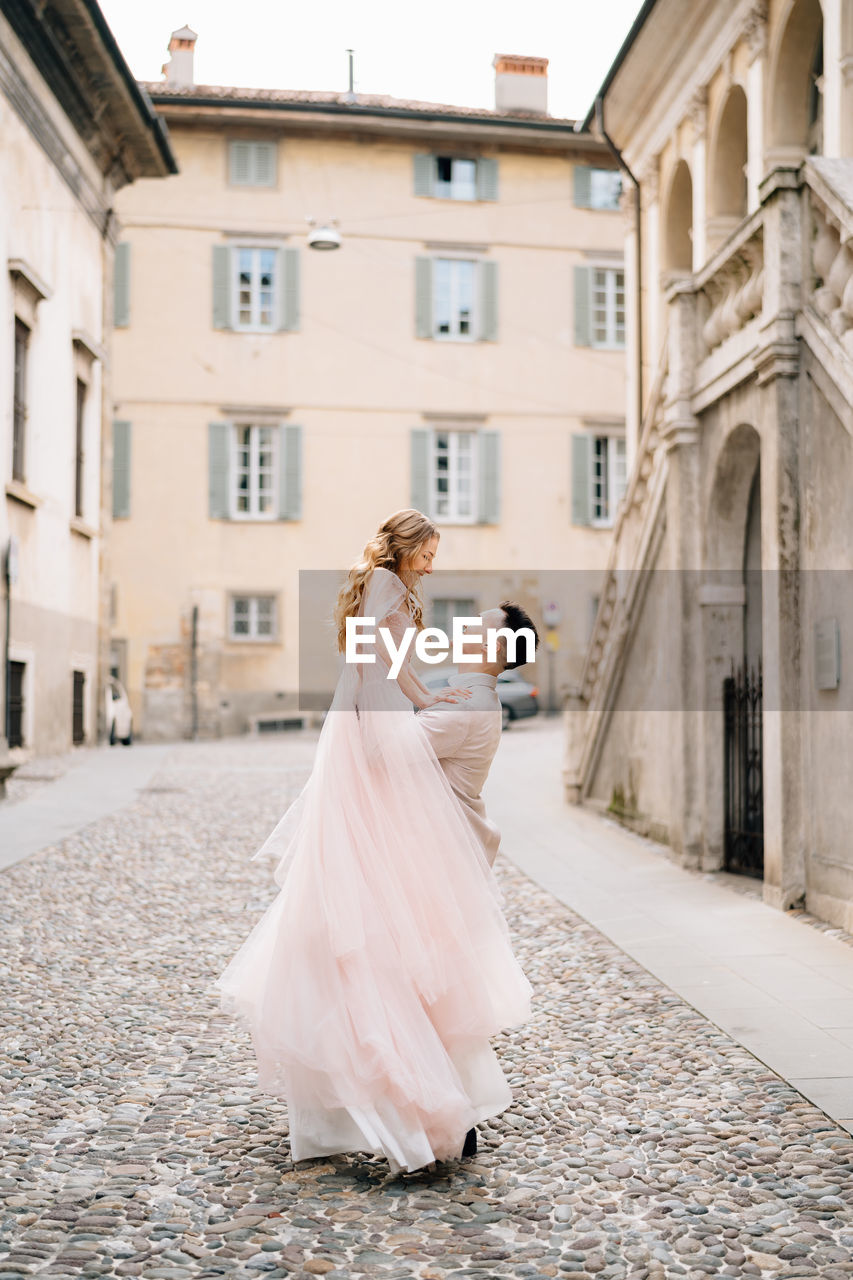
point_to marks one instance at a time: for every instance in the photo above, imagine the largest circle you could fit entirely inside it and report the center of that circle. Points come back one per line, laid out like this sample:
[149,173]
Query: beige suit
[465,737]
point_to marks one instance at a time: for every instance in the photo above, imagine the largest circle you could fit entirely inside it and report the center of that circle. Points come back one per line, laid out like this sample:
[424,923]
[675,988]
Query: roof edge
[624,50]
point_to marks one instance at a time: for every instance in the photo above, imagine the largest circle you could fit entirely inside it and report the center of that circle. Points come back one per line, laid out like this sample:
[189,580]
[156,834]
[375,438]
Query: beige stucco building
[74,128]
[734,545]
[462,351]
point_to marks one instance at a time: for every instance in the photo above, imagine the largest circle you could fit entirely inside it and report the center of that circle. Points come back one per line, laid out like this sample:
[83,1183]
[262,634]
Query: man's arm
[446,727]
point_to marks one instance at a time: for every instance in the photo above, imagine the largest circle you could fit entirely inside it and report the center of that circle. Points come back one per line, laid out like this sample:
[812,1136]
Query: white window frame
[252,637]
[474,322]
[252,180]
[605,205]
[254,490]
[615,478]
[453,189]
[255,247]
[611,340]
[453,514]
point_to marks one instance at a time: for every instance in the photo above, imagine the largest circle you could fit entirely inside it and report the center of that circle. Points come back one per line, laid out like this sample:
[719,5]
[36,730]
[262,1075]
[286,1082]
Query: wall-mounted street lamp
[324,235]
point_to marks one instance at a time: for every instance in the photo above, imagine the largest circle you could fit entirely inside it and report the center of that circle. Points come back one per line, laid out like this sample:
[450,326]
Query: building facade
[462,351]
[74,128]
[714,710]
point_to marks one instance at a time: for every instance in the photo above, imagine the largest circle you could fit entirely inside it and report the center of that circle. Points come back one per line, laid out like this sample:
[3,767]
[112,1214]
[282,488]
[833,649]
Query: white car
[119,715]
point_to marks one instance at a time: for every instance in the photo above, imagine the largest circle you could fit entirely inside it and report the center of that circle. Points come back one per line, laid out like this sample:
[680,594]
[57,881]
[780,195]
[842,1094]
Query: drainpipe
[638,237]
[194,674]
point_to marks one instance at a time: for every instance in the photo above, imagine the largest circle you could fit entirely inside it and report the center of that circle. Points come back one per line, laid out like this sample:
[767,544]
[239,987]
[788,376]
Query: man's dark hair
[515,619]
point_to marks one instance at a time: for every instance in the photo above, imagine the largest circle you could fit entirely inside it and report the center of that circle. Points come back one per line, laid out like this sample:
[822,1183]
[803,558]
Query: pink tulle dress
[374,981]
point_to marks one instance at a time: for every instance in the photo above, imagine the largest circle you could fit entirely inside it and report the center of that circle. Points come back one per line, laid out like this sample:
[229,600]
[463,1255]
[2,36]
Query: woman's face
[421,561]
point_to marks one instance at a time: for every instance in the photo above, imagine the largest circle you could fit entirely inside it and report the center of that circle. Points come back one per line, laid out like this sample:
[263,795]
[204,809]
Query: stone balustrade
[832,266]
[731,287]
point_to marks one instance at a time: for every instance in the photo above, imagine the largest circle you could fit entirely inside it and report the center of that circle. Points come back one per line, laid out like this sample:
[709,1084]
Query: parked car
[518,697]
[119,719]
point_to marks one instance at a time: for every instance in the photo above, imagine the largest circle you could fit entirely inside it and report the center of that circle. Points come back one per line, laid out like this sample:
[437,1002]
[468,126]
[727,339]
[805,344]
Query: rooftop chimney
[521,84]
[179,69]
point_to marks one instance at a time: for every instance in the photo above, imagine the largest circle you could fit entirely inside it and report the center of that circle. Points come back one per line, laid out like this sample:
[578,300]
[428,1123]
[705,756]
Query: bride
[374,981]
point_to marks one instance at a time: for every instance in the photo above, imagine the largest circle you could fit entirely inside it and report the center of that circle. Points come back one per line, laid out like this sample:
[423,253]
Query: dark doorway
[15,704]
[742,772]
[78,697]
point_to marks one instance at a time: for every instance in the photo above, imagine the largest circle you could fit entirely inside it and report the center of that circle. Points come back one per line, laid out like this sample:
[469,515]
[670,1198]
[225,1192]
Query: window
[605,188]
[455,179]
[608,476]
[252,618]
[255,288]
[454,465]
[445,609]
[19,412]
[608,307]
[597,188]
[454,285]
[255,472]
[78,448]
[251,164]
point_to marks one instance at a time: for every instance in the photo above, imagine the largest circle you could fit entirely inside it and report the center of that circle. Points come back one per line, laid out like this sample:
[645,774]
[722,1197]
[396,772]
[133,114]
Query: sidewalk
[102,781]
[778,986]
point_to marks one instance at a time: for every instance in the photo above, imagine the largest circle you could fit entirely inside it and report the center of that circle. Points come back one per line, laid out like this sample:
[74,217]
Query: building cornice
[421,124]
[76,55]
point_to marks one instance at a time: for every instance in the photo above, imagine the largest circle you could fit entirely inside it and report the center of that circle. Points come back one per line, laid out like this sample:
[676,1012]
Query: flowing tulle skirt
[375,979]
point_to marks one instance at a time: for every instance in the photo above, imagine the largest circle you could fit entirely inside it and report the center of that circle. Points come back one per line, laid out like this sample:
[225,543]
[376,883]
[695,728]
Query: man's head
[509,617]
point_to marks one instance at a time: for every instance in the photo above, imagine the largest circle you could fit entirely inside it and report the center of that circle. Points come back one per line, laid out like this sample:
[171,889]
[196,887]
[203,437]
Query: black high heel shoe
[470,1147]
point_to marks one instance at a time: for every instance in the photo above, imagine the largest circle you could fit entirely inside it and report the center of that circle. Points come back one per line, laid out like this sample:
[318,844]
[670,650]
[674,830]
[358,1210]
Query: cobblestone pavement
[642,1141]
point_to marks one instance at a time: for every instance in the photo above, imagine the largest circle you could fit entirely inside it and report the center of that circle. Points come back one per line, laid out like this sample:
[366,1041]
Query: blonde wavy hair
[395,542]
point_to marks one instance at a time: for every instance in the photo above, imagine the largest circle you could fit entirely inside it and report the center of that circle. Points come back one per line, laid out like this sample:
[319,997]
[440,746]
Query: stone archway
[727,191]
[796,109]
[730,600]
[678,221]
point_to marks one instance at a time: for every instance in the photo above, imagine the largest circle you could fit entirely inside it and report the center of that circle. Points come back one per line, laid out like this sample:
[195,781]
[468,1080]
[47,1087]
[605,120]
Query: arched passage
[727,193]
[796,98]
[731,629]
[678,221]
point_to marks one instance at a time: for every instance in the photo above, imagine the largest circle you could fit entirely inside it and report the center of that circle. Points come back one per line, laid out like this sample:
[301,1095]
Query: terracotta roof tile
[162,92]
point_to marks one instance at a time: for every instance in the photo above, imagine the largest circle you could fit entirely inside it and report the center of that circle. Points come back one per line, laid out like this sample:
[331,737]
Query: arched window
[678,222]
[796,114]
[727,194]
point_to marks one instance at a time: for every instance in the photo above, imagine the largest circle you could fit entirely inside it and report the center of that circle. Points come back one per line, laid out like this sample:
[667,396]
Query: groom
[465,734]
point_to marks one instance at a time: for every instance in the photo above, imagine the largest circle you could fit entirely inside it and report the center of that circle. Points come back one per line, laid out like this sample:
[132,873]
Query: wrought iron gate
[742,772]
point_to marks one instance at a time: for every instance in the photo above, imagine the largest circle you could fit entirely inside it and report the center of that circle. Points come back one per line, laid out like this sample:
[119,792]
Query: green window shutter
[583,186]
[423,297]
[487,178]
[424,171]
[239,163]
[121,470]
[219,470]
[121,286]
[583,306]
[420,488]
[489,471]
[488,281]
[290,472]
[581,456]
[221,286]
[264,157]
[288,289]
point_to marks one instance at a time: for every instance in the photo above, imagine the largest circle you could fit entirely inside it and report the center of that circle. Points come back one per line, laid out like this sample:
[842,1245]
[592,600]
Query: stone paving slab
[643,1140]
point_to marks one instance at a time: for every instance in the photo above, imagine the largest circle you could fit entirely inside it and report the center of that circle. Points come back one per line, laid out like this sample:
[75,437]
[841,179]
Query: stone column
[698,169]
[833,79]
[777,365]
[756,34]
[680,439]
